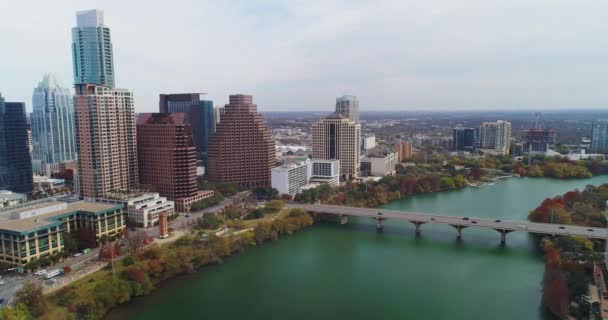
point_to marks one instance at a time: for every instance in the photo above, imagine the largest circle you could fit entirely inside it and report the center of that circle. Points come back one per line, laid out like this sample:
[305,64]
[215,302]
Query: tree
[555,293]
[31,296]
[262,231]
[136,240]
[208,221]
[70,242]
[86,238]
[274,206]
[447,183]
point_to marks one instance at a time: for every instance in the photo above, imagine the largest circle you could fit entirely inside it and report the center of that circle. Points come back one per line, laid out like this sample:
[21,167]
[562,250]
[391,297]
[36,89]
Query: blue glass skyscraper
[200,115]
[15,159]
[93,61]
[53,122]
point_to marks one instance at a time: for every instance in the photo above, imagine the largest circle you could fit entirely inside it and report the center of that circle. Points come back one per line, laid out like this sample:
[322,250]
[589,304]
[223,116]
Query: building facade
[463,139]
[201,116]
[93,60]
[325,171]
[15,159]
[144,210]
[36,231]
[290,178]
[105,116]
[403,150]
[538,140]
[338,138]
[53,122]
[369,142]
[495,137]
[599,136]
[241,150]
[167,158]
[348,106]
[379,165]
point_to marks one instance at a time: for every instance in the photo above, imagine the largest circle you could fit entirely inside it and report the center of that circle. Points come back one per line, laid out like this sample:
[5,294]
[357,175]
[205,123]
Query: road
[459,221]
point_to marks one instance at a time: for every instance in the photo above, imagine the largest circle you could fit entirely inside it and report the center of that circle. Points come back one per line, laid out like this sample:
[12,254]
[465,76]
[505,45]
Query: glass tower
[599,136]
[53,122]
[348,106]
[15,159]
[92,50]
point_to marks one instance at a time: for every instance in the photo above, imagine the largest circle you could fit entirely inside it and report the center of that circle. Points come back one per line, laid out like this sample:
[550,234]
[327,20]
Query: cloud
[302,54]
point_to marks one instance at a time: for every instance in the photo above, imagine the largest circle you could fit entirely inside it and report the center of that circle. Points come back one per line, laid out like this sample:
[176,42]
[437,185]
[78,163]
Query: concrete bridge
[458,222]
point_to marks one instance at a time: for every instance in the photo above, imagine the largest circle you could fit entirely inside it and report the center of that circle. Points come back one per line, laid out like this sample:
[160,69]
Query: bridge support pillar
[379,224]
[503,236]
[343,219]
[458,231]
[418,225]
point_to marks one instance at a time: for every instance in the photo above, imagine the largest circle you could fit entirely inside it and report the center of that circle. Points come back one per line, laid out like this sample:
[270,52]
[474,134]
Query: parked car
[77,254]
[40,272]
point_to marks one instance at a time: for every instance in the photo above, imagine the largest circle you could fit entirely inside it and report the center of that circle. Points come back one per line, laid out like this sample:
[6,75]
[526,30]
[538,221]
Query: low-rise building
[403,150]
[185,204]
[326,171]
[379,165]
[290,178]
[31,232]
[369,142]
[46,183]
[143,209]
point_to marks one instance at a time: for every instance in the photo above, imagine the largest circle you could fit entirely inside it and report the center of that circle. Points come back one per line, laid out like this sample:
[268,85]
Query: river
[333,271]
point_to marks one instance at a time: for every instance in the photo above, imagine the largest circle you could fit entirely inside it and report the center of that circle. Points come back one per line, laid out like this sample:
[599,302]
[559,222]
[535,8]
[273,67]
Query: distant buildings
[495,137]
[9,198]
[201,116]
[538,140]
[241,150]
[403,150]
[290,178]
[167,158]
[35,230]
[379,165]
[53,122]
[599,136]
[15,158]
[337,137]
[348,106]
[105,117]
[463,139]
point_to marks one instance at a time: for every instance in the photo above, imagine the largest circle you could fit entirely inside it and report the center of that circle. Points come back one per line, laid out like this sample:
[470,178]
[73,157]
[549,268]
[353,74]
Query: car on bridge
[562,227]
[497,220]
[465,218]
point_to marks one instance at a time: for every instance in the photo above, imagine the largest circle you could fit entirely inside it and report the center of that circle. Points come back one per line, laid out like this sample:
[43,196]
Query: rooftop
[45,219]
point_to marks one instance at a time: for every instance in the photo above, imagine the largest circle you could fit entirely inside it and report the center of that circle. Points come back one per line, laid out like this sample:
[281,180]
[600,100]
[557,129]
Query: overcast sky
[301,55]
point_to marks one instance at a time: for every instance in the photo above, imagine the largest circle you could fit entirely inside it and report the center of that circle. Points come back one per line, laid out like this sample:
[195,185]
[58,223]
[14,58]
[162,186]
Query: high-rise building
[348,106]
[495,137]
[200,114]
[338,138]
[105,116]
[538,140]
[217,115]
[53,122]
[241,150]
[403,150]
[464,139]
[167,158]
[15,160]
[599,136]
[93,61]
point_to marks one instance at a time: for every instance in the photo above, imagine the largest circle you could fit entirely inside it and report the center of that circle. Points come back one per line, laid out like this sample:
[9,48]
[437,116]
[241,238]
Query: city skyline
[392,55]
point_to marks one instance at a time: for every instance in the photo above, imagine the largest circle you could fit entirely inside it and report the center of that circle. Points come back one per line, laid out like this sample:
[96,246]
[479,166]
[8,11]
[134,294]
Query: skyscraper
[200,115]
[241,150]
[464,139]
[495,137]
[92,50]
[538,140]
[53,122]
[167,157]
[15,159]
[348,106]
[599,136]
[105,117]
[338,138]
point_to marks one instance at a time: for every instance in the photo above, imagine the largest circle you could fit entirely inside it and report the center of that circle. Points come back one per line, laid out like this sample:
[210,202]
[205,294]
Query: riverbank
[141,272]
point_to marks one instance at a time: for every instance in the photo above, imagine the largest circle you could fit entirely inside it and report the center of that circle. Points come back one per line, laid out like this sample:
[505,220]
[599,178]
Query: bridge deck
[506,225]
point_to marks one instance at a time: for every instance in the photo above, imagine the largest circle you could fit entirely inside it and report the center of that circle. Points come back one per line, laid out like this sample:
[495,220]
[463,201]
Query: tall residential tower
[495,137]
[338,138]
[105,117]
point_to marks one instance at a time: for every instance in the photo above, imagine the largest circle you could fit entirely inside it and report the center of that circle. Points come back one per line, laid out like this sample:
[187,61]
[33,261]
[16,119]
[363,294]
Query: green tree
[208,221]
[30,295]
[274,206]
[262,231]
[447,183]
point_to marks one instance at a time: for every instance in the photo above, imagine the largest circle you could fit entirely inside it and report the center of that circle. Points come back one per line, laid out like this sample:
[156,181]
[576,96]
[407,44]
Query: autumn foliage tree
[555,292]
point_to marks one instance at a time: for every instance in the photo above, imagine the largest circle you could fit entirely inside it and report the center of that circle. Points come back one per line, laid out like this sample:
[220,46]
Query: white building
[369,142]
[9,198]
[495,137]
[290,178]
[379,165]
[326,171]
[143,209]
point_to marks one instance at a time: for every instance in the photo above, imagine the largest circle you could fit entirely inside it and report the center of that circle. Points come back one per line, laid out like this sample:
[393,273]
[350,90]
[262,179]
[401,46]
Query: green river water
[333,271]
